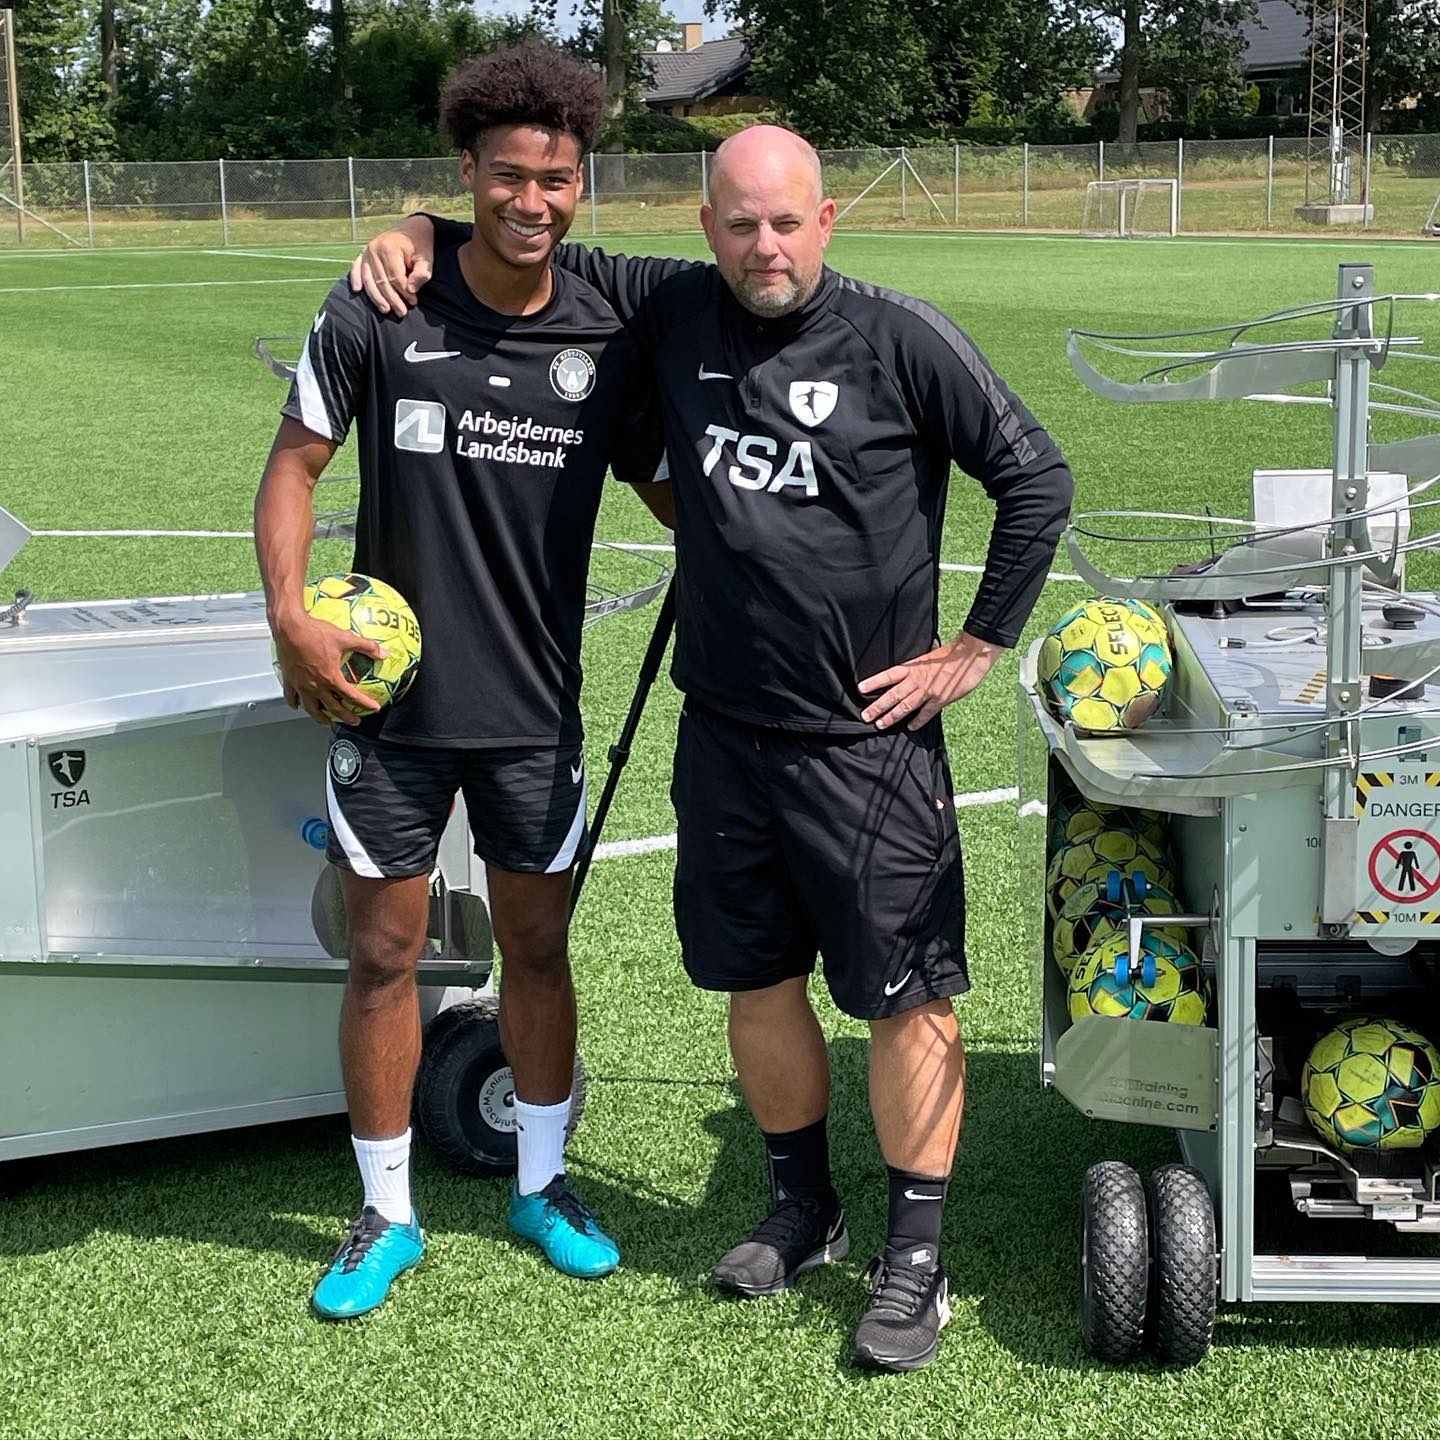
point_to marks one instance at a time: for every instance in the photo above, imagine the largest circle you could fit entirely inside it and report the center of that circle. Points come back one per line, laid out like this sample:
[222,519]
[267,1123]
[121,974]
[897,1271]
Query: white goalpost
[1131,207]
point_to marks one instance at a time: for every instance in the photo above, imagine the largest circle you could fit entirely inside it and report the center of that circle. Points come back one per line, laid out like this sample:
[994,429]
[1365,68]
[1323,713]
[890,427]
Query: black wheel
[464,1094]
[1184,1284]
[1114,1263]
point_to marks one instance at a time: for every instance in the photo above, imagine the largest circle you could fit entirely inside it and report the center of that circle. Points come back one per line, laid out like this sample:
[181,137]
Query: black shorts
[791,844]
[389,804]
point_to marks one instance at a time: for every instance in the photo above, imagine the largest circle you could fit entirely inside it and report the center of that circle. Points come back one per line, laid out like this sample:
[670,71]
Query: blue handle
[315,832]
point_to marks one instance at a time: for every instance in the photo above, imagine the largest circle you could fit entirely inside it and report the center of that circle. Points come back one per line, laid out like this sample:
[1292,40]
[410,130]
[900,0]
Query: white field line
[267,255]
[249,534]
[1297,242]
[621,849]
[162,285]
[945,565]
[145,534]
[101,252]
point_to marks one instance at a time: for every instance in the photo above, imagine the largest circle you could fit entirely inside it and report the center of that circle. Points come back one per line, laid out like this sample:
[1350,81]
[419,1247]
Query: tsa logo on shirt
[811,401]
[420,425]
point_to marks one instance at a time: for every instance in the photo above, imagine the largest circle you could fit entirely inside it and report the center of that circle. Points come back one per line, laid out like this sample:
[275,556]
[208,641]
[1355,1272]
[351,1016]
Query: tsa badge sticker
[811,401]
[344,762]
[572,374]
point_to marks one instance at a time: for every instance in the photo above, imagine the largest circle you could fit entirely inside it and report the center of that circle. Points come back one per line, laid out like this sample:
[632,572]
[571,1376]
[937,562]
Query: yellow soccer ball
[1127,852]
[1180,994]
[1105,664]
[369,607]
[1372,1084]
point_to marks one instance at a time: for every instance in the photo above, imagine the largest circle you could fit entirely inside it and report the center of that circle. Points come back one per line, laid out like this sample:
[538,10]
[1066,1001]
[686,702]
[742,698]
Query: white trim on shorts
[360,862]
[571,844]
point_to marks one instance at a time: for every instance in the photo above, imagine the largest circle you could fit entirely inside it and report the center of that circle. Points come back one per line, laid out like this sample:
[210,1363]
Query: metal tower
[1335,139]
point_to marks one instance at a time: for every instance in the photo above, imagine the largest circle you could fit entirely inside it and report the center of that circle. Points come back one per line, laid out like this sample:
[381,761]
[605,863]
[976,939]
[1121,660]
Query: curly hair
[527,84]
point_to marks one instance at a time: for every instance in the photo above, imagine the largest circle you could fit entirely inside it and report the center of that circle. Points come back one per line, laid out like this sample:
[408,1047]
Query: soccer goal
[1131,207]
[1431,227]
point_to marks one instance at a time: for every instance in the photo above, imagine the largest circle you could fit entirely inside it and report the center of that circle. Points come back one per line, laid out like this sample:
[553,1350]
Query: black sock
[917,1208]
[800,1162]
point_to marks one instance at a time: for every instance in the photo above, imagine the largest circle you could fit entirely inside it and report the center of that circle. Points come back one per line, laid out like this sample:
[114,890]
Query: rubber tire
[1183,1279]
[1114,1263]
[461,1052]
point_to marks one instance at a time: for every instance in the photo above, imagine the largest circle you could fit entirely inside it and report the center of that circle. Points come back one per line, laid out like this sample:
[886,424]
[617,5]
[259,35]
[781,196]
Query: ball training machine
[172,940]
[1296,755]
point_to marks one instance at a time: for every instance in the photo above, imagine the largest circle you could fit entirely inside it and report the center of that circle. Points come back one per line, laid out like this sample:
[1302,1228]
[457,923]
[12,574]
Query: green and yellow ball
[369,607]
[1074,817]
[1180,995]
[1090,916]
[1092,859]
[1105,665]
[1372,1084]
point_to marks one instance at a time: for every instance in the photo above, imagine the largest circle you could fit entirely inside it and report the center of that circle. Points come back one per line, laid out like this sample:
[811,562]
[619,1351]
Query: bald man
[811,422]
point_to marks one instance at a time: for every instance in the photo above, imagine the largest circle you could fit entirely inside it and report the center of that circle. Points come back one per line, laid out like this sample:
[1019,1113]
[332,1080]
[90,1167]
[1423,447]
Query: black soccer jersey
[484,441]
[810,456]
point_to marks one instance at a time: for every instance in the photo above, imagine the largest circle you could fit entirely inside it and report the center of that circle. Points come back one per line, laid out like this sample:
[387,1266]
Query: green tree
[253,91]
[617,36]
[399,57]
[843,72]
[1404,56]
[1179,47]
[62,101]
[846,72]
[1007,59]
[156,42]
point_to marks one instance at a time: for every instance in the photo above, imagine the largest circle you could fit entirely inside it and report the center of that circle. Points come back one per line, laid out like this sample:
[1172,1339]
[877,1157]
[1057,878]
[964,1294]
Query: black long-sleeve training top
[810,456]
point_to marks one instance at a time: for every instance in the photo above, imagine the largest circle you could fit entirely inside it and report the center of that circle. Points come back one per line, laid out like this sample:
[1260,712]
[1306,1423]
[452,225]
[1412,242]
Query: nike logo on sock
[396,1165]
[916,1195]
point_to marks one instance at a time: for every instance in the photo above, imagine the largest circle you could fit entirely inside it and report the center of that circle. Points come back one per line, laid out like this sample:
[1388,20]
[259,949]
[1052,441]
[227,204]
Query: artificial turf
[160,1289]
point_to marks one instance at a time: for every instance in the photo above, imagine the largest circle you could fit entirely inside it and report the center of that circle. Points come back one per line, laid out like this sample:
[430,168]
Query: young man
[487,419]
[810,423]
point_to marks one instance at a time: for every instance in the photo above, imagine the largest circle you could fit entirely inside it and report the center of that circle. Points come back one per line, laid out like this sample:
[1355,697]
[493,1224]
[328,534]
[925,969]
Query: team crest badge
[344,762]
[811,401]
[67,766]
[572,374]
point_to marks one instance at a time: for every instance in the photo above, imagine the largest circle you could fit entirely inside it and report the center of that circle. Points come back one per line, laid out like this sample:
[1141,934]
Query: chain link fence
[1224,186]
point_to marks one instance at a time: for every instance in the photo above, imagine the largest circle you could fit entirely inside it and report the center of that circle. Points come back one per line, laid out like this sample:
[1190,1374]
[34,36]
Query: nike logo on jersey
[319,321]
[416,356]
[899,985]
[714,374]
[577,773]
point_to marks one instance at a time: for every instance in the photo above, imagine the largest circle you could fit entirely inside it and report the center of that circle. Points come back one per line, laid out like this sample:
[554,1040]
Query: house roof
[688,75]
[1278,38]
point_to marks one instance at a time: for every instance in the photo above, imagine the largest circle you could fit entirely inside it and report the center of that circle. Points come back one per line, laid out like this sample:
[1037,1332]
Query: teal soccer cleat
[374,1254]
[564,1229]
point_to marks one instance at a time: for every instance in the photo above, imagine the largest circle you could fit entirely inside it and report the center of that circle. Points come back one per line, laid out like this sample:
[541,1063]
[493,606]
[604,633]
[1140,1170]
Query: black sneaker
[799,1234]
[909,1307]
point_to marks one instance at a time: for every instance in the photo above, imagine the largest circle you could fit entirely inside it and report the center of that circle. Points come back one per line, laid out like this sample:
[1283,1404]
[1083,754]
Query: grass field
[160,1290]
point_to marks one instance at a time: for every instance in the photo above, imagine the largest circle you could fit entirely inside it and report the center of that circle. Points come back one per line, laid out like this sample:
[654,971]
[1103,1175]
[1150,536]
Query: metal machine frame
[1263,796]
[171,937]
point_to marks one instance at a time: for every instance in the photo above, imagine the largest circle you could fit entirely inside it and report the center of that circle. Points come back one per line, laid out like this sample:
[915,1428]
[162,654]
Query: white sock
[540,1130]
[385,1169]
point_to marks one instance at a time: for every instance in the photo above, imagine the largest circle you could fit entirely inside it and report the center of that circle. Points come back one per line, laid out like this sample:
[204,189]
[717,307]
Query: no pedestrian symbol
[1405,866]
